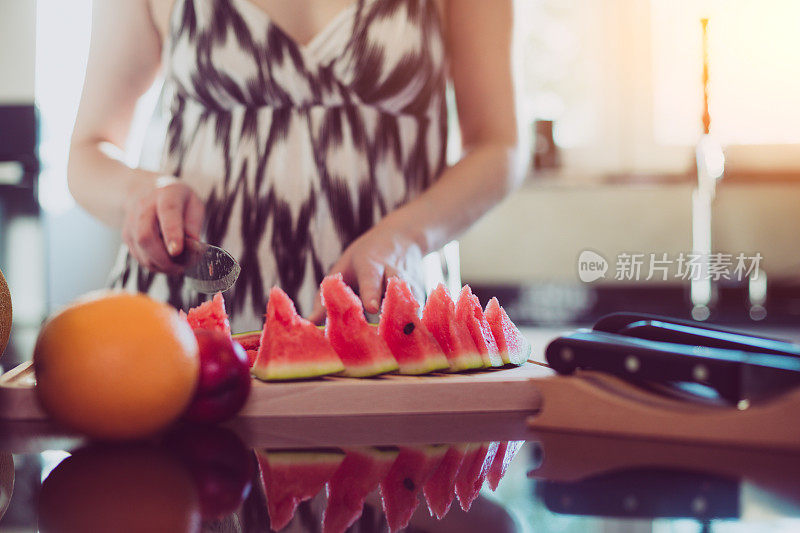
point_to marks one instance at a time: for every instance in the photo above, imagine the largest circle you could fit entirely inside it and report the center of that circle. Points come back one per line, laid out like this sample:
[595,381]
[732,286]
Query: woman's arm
[478,35]
[124,59]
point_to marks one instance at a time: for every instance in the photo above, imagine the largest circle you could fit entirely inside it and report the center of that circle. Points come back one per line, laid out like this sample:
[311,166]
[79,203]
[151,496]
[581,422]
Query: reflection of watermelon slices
[415,349]
[440,488]
[473,472]
[291,346]
[293,477]
[514,347]
[357,476]
[250,341]
[468,311]
[502,460]
[210,315]
[401,486]
[363,352]
[439,316]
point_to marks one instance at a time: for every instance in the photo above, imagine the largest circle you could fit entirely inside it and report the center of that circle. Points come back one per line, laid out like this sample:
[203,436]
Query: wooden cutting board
[477,392]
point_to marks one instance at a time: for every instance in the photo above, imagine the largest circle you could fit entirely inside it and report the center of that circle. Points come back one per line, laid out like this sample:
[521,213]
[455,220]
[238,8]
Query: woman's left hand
[365,265]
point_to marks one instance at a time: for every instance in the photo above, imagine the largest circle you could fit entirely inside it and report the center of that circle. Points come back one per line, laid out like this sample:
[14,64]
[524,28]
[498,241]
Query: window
[622,80]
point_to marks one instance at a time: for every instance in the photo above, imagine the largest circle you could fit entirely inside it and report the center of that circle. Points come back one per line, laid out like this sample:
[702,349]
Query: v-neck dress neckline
[346,15]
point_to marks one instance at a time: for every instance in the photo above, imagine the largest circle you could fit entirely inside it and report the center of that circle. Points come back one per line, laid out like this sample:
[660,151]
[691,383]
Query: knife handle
[639,360]
[192,249]
[618,322]
[657,330]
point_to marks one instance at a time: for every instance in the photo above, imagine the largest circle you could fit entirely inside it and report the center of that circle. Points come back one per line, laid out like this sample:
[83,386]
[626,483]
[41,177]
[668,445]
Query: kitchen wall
[538,233]
[17,51]
[22,253]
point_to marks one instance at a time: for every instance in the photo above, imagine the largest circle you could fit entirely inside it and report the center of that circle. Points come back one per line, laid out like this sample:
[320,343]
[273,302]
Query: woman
[305,137]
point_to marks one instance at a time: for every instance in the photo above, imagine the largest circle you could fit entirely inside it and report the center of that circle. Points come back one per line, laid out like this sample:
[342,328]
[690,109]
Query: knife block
[598,403]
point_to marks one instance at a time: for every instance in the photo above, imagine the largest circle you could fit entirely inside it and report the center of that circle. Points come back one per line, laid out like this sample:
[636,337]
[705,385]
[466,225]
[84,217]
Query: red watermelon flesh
[401,487]
[250,341]
[363,352]
[414,347]
[210,315]
[293,477]
[473,472]
[502,460]
[358,475]
[514,347]
[440,489]
[439,316]
[469,312]
[292,347]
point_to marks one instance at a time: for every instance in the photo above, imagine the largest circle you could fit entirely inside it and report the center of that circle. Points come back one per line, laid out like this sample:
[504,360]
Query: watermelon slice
[469,312]
[473,472]
[401,487]
[210,315]
[363,352]
[291,477]
[441,486]
[358,475]
[250,341]
[439,316]
[415,349]
[291,346]
[514,347]
[502,460]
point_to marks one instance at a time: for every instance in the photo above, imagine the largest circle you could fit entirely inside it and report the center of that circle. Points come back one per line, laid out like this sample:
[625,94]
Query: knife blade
[738,376]
[207,268]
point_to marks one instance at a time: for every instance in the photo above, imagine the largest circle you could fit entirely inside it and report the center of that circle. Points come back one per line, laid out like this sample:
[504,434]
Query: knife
[736,375]
[668,329]
[208,269]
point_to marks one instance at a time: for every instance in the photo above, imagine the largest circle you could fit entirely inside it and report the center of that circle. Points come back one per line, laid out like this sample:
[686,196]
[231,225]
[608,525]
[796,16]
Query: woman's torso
[296,146]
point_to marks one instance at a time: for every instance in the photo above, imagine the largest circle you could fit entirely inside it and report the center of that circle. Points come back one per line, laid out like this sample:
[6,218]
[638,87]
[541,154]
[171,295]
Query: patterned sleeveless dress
[296,150]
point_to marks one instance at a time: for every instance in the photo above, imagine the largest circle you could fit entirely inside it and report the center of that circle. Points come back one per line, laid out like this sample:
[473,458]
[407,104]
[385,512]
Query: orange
[5,313]
[121,488]
[116,365]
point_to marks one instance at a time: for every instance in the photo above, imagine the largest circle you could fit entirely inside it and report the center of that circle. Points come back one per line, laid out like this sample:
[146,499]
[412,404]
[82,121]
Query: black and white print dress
[296,150]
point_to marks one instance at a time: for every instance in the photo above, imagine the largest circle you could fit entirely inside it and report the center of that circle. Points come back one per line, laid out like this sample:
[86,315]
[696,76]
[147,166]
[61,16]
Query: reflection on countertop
[415,473]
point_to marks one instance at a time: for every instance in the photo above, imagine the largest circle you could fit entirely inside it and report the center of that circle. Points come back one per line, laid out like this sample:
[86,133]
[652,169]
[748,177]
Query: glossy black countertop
[376,472]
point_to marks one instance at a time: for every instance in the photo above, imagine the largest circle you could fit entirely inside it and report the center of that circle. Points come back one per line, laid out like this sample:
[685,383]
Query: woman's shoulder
[160,12]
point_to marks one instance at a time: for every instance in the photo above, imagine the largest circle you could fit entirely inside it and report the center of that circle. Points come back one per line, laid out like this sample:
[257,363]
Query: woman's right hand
[157,217]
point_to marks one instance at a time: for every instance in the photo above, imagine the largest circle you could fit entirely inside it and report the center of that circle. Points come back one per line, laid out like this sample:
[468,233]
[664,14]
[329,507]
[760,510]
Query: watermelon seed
[408,482]
[408,328]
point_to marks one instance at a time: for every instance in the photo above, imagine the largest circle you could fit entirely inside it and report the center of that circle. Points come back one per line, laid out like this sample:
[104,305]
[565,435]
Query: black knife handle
[691,335]
[639,360]
[618,322]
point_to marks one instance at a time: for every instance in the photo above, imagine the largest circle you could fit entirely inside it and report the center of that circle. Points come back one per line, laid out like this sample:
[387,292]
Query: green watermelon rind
[430,364]
[368,371]
[295,371]
[278,457]
[466,361]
